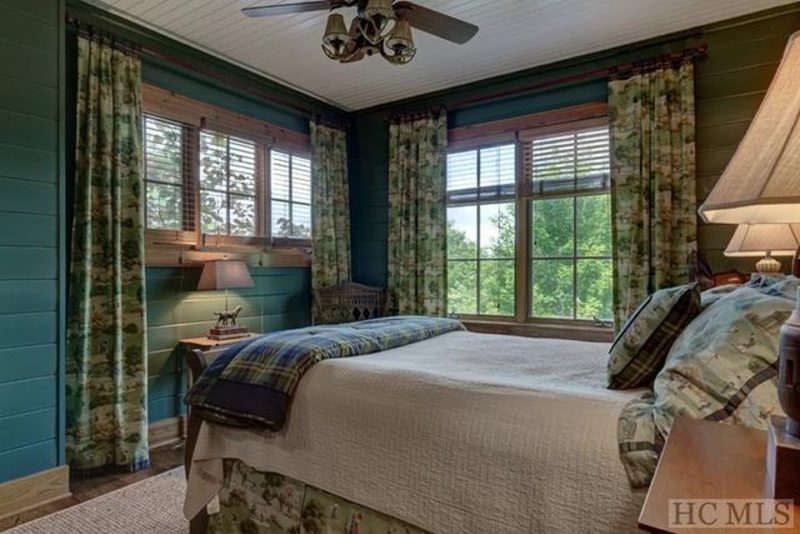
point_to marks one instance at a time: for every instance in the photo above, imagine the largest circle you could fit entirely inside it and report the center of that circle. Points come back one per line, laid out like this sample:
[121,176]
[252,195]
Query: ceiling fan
[379,27]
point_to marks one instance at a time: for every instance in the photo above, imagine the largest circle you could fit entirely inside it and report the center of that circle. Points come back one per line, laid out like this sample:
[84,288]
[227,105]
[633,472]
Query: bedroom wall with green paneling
[730,83]
[279,300]
[31,413]
[281,297]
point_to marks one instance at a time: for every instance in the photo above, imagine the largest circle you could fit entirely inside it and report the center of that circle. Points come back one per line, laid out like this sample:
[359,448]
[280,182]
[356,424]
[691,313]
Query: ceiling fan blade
[436,23]
[286,9]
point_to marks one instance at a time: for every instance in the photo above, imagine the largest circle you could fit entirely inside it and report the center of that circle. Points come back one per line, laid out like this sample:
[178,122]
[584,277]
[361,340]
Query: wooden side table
[204,344]
[709,461]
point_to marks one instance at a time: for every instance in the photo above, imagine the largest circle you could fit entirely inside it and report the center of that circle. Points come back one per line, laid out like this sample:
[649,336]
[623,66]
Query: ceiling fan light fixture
[379,27]
[379,12]
[400,42]
[336,37]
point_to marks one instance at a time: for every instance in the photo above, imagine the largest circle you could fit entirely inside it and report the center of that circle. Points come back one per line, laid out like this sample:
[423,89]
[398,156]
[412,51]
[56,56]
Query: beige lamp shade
[225,274]
[761,183]
[761,239]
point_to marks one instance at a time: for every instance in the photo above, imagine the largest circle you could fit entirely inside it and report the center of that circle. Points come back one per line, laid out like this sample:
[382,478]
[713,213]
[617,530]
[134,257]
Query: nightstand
[709,461]
[204,344]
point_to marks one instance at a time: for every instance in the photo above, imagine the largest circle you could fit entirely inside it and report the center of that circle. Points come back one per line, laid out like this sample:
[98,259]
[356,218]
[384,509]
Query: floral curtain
[331,207]
[106,356]
[417,214]
[653,198]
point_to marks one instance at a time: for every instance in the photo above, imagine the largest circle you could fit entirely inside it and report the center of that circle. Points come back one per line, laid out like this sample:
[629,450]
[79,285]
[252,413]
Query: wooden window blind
[169,187]
[290,196]
[229,176]
[566,161]
[481,231]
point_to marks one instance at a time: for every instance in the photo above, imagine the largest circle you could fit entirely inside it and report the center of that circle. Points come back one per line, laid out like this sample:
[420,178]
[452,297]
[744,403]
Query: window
[481,235]
[290,188]
[529,226]
[165,177]
[567,178]
[228,178]
[202,178]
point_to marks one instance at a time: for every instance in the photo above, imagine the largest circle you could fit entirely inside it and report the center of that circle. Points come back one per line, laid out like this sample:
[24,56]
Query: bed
[462,432]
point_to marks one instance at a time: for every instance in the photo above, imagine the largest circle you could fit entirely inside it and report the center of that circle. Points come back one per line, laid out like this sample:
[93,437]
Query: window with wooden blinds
[529,221]
[168,183]
[229,176]
[567,162]
[290,194]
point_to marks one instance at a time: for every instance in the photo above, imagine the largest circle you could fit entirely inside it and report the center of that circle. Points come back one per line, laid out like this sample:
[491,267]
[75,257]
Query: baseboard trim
[166,432]
[23,494]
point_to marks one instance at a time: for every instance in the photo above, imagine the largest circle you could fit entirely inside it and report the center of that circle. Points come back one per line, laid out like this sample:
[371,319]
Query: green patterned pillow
[724,365]
[639,351]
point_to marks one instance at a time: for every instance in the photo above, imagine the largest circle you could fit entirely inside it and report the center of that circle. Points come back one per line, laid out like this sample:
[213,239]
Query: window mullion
[522,257]
[478,236]
[228,183]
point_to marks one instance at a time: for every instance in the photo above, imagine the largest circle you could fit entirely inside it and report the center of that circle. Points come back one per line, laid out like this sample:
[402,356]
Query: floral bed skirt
[255,502]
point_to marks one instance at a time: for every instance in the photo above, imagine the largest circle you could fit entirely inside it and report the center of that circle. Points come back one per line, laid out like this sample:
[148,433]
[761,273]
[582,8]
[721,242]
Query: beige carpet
[151,506]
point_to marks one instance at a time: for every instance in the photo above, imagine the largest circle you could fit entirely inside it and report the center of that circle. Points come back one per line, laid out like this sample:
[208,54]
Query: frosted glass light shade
[761,183]
[761,239]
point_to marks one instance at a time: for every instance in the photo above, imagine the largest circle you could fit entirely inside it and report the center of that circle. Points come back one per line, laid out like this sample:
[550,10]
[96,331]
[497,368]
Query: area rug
[152,506]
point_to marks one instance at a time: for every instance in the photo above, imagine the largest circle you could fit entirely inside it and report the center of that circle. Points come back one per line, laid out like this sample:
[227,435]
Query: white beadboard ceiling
[514,35]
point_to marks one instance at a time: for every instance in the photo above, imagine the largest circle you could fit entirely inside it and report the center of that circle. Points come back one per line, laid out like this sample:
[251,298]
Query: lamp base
[228,332]
[768,264]
[783,460]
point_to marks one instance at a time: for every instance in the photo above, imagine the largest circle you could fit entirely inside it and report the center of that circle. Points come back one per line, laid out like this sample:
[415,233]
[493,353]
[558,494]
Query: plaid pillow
[641,347]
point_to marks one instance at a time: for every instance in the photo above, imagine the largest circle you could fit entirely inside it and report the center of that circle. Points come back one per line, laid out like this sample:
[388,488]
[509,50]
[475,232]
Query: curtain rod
[156,53]
[615,70]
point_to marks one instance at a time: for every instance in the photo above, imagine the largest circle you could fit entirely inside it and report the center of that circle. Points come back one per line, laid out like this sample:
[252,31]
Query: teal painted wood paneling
[33,361]
[28,459]
[27,395]
[25,296]
[22,329]
[42,10]
[29,64]
[26,29]
[34,99]
[280,299]
[31,256]
[28,131]
[23,196]
[28,163]
[28,263]
[730,83]
[29,230]
[32,427]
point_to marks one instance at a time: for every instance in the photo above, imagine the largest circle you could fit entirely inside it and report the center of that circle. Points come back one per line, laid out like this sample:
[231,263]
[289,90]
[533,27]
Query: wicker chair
[348,302]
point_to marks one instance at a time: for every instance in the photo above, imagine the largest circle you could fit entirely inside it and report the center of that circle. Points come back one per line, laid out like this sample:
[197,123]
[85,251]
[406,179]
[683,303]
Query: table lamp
[761,185]
[767,240]
[225,274]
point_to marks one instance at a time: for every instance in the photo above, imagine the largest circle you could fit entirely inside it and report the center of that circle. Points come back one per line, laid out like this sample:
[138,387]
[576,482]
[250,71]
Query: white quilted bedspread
[462,433]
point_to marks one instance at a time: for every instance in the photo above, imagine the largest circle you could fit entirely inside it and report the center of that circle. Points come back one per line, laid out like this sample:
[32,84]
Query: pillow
[710,296]
[639,441]
[724,365]
[639,351]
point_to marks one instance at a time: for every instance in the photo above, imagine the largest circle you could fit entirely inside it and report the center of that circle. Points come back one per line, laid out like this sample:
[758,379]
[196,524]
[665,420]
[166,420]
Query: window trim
[518,131]
[171,247]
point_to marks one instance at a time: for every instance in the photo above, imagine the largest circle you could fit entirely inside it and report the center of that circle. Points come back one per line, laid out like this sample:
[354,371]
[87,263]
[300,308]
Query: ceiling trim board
[99,4]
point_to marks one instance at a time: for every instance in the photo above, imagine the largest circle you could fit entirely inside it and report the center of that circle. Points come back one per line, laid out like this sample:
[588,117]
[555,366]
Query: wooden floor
[85,489]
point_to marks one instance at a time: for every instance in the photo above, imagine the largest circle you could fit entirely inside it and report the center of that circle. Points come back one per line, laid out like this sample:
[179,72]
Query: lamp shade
[225,274]
[761,183]
[760,239]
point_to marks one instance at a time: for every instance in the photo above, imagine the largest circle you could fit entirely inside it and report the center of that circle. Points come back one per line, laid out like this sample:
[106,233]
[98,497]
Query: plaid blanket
[252,383]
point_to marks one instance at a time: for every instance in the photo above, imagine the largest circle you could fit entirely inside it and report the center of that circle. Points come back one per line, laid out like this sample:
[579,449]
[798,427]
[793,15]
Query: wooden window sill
[575,331]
